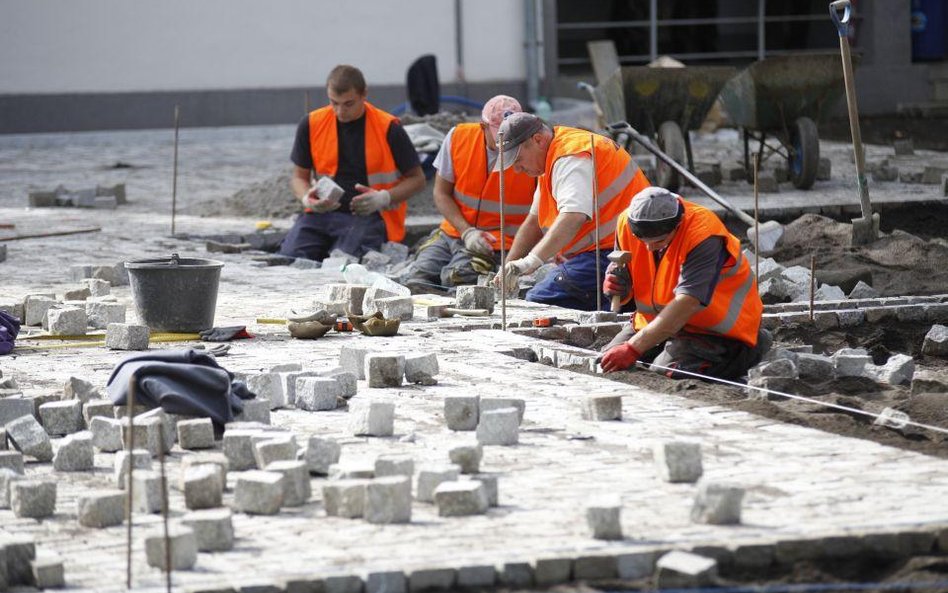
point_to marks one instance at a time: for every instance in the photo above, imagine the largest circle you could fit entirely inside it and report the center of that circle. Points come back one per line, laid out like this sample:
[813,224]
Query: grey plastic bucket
[175,294]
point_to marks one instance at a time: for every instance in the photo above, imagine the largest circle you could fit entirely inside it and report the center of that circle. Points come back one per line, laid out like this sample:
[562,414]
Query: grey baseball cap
[654,212]
[516,129]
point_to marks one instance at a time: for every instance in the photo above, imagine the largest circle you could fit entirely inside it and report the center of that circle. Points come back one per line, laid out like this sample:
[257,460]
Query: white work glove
[513,270]
[478,241]
[370,200]
[311,201]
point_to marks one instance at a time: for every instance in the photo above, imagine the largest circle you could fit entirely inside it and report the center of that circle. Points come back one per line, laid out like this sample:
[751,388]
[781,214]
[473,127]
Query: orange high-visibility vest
[735,308]
[379,163]
[618,179]
[477,191]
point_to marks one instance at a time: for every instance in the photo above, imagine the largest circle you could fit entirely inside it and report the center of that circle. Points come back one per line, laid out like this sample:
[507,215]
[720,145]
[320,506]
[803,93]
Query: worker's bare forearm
[412,183]
[667,323]
[564,229]
[528,236]
[444,202]
[300,182]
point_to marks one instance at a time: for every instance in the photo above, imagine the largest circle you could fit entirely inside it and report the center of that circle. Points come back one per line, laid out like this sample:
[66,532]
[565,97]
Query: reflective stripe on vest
[618,179]
[381,170]
[735,307]
[477,191]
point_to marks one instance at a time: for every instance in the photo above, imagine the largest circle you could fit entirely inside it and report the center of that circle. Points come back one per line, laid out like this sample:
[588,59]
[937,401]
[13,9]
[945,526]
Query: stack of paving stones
[95,197]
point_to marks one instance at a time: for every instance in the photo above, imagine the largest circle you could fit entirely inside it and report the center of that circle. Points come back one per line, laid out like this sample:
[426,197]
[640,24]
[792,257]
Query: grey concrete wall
[140,110]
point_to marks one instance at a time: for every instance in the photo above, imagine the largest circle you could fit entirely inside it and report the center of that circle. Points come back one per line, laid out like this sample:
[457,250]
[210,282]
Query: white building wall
[107,46]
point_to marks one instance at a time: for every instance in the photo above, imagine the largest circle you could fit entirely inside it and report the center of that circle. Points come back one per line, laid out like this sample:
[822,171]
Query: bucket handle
[841,22]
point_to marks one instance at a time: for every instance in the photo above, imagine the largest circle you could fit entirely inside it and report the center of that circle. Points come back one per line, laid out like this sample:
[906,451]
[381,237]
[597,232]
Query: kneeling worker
[561,221]
[693,291]
[467,193]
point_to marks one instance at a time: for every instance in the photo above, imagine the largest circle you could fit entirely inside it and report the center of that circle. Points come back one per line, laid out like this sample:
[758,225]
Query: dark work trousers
[314,235]
[443,260]
[573,284]
[706,354]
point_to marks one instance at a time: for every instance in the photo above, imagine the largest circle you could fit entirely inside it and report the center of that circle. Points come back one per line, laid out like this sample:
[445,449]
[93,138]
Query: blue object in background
[928,29]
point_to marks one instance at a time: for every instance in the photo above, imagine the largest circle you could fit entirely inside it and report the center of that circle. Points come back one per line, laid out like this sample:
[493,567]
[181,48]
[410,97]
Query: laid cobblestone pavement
[802,484]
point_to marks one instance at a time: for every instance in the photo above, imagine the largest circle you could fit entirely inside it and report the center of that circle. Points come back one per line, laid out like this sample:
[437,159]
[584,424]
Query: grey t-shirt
[702,268]
[445,165]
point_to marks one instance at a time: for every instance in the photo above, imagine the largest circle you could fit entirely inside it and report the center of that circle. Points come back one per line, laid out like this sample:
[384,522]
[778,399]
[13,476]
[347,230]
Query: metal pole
[761,29]
[503,238]
[459,45]
[130,449]
[174,174]
[653,29]
[533,74]
[757,219]
[164,509]
[595,197]
[812,284]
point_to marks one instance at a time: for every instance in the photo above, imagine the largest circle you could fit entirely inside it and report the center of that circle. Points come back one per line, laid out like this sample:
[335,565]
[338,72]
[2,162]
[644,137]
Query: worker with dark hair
[693,291]
[373,167]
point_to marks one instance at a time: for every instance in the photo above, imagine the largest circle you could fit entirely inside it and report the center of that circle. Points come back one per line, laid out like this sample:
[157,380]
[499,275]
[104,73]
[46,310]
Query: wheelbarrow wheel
[804,153]
[672,142]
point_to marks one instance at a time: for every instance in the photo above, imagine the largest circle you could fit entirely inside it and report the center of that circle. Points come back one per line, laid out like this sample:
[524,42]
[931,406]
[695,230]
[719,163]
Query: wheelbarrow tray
[682,95]
[769,95]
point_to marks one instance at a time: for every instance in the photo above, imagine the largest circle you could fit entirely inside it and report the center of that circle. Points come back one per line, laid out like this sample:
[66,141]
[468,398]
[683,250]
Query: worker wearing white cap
[562,221]
[692,288]
[467,193]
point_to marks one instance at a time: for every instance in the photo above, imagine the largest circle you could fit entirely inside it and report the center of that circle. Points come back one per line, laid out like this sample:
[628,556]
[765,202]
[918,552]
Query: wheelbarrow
[784,98]
[664,104]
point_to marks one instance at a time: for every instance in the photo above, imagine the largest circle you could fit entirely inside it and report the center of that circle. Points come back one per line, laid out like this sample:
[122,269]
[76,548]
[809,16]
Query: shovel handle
[841,22]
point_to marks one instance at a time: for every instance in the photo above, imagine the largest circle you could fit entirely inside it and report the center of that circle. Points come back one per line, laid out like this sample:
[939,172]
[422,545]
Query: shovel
[865,228]
[770,232]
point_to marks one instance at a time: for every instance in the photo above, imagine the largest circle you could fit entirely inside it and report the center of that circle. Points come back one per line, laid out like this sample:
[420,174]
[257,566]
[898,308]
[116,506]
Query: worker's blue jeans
[573,284]
[314,235]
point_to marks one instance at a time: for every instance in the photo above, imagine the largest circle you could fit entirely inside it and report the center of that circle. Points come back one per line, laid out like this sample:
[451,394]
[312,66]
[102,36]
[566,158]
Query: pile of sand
[901,263]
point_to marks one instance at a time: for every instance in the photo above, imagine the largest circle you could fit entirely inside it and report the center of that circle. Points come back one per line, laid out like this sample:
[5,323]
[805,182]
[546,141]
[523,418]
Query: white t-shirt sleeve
[442,162]
[572,184]
[535,206]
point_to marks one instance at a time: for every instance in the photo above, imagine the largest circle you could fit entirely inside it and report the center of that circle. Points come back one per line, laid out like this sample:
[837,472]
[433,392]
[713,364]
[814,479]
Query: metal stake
[503,237]
[595,196]
[164,510]
[130,448]
[757,218]
[174,174]
[812,284]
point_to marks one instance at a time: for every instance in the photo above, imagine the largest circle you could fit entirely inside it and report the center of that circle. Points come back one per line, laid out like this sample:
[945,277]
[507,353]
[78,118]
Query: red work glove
[619,358]
[617,282]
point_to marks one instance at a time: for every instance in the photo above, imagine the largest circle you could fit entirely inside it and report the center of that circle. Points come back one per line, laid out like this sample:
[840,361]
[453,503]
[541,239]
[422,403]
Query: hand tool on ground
[595,197]
[503,236]
[225,334]
[865,228]
[621,259]
[770,232]
[51,234]
[448,311]
[544,321]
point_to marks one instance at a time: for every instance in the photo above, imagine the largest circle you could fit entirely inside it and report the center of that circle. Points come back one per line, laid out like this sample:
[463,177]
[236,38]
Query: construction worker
[561,222]
[692,288]
[467,193]
[367,153]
